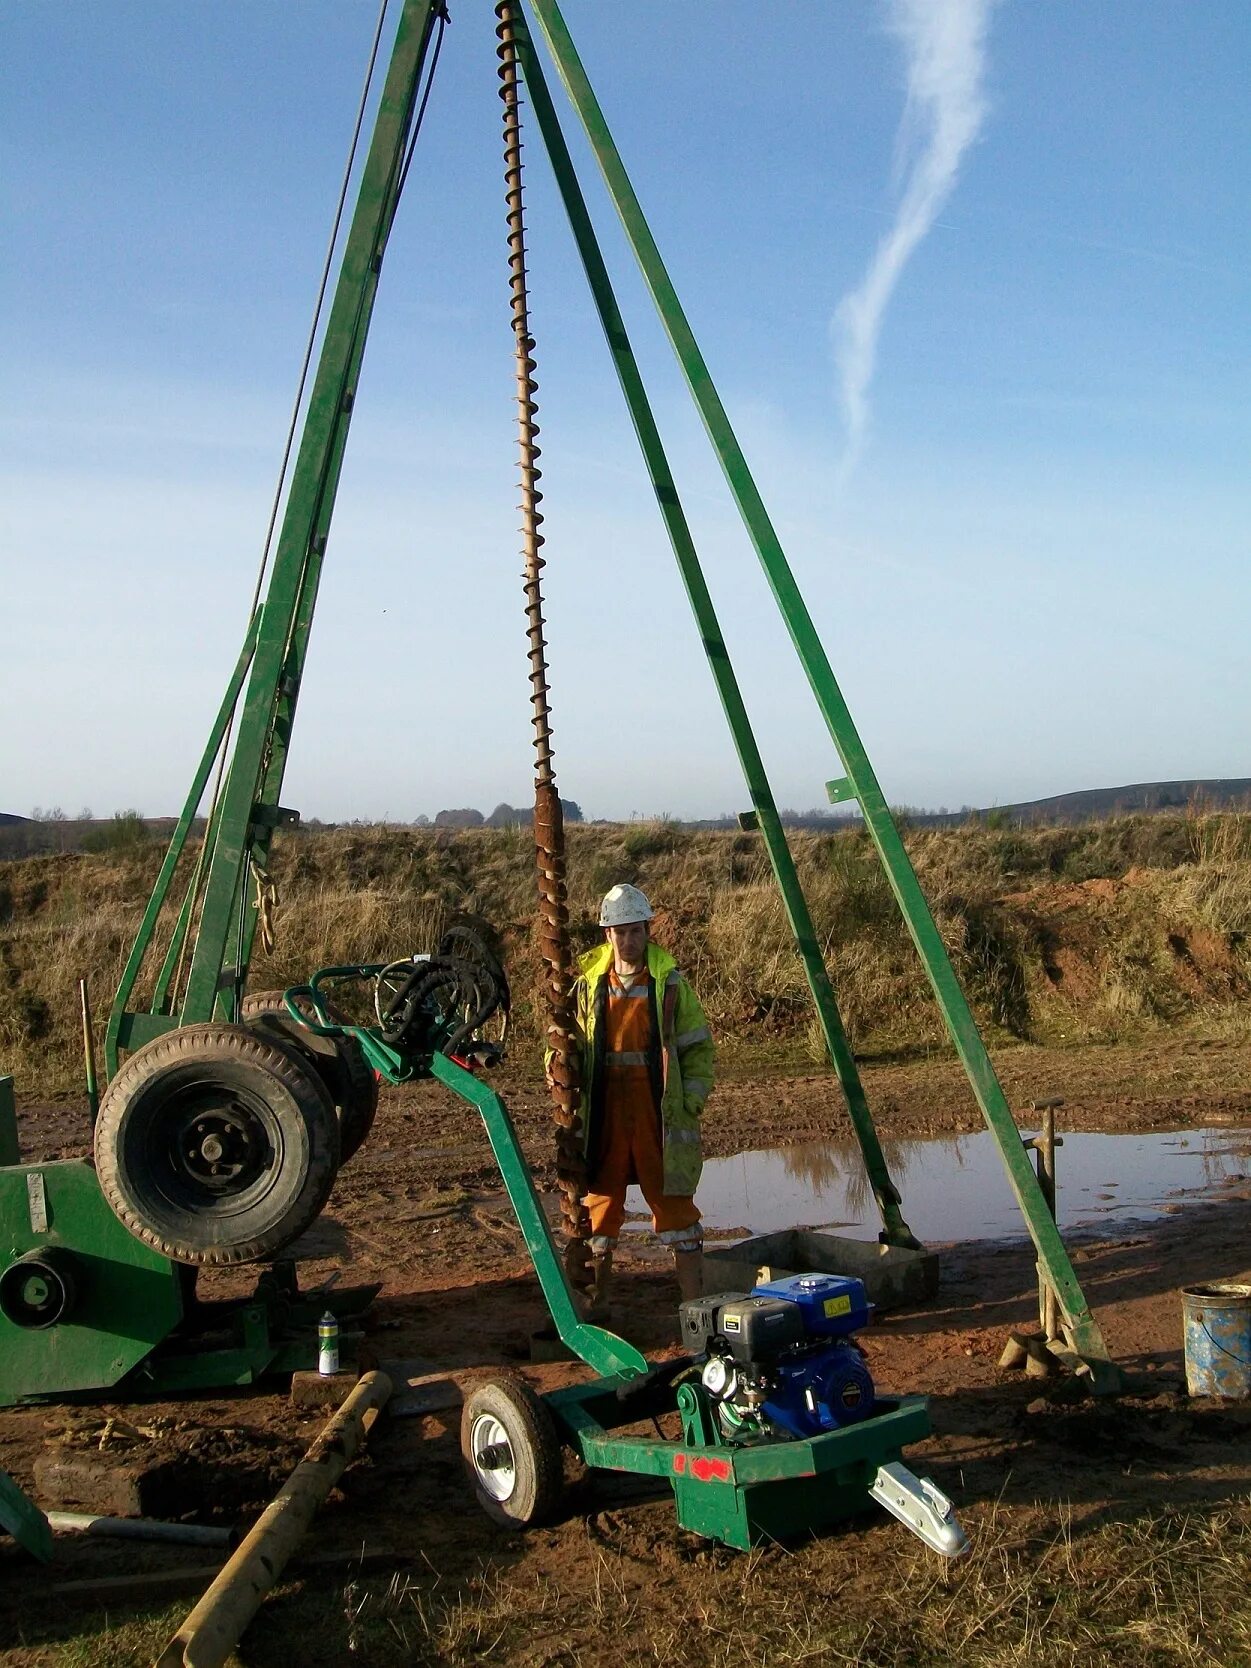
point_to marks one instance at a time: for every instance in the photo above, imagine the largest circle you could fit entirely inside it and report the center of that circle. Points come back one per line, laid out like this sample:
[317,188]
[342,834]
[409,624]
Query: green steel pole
[1081,1324]
[255,776]
[601,1350]
[896,1230]
[118,1031]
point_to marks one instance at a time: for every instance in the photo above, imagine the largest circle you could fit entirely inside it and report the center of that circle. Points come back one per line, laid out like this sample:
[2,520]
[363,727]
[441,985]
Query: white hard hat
[622,906]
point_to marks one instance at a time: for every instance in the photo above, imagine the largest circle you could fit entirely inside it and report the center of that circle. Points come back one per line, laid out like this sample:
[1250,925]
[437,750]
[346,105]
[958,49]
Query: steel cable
[267,546]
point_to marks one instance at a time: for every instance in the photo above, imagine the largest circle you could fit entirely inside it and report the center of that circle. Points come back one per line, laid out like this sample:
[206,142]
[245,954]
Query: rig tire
[216,1145]
[338,1061]
[505,1422]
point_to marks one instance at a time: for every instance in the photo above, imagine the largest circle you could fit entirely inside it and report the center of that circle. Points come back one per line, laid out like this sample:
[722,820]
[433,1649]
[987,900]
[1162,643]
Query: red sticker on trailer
[703,1469]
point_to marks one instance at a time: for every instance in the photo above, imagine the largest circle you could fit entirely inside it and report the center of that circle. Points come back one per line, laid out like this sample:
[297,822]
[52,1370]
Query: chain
[265,903]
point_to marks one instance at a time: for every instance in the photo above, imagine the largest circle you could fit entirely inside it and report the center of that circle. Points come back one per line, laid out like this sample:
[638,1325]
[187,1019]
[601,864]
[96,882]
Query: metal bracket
[839,790]
[921,1506]
[274,816]
[37,1202]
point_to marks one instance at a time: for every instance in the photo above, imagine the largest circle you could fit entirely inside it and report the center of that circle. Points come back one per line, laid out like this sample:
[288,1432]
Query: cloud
[944,44]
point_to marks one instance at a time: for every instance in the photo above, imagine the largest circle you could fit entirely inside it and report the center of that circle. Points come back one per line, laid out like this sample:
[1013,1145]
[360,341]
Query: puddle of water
[954,1187]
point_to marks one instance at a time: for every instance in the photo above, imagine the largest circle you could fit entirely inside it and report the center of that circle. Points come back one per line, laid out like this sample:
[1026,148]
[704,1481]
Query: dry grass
[1100,932]
[1166,1591]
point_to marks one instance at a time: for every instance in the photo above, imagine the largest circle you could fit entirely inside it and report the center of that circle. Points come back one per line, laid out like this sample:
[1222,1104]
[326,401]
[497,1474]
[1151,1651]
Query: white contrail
[944,43]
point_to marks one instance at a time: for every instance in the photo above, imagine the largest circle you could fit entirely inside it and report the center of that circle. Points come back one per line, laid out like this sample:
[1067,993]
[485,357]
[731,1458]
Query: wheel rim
[492,1452]
[213,1146]
[217,1148]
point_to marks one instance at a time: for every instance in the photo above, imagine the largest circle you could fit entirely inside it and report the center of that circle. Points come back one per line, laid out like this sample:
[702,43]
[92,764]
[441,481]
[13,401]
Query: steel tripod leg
[600,1349]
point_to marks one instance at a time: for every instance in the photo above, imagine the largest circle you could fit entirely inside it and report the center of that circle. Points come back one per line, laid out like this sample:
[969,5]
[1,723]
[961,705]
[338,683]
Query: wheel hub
[493,1457]
[220,1149]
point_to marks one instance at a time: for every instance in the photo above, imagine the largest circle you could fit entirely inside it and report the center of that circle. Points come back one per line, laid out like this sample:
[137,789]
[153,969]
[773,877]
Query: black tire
[338,1061]
[216,1145]
[511,1452]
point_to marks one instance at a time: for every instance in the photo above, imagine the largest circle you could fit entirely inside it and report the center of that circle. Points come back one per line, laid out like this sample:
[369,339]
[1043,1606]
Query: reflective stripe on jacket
[680,1060]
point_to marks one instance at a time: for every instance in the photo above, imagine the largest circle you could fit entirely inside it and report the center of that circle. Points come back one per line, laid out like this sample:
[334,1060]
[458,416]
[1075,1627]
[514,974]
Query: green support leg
[9,1151]
[1080,1324]
[119,1016]
[601,1350]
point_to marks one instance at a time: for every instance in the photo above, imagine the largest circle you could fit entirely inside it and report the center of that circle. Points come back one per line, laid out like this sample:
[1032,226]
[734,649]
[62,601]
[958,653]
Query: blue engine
[828,1384]
[782,1358]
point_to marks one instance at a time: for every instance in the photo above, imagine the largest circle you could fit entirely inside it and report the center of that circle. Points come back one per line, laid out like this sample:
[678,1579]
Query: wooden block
[78,1479]
[413,1369]
[1015,1353]
[310,1389]
[195,1578]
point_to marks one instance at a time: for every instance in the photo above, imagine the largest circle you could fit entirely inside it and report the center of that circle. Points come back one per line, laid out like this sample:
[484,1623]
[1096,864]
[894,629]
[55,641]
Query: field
[1108,964]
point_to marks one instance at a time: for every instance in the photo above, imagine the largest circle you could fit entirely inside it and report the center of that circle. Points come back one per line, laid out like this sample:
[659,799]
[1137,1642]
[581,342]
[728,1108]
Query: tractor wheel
[511,1452]
[216,1145]
[338,1061]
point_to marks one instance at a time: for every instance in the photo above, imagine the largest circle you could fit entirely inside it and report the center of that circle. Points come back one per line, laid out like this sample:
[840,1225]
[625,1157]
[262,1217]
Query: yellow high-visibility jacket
[680,1061]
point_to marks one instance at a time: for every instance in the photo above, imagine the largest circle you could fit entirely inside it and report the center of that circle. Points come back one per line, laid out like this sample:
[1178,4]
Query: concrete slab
[894,1278]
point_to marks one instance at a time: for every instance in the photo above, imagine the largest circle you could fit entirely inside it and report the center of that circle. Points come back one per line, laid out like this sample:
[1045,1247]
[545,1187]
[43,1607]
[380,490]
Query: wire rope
[197,878]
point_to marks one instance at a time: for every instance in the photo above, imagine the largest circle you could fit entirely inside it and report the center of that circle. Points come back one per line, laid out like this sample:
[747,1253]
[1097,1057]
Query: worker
[647,1059]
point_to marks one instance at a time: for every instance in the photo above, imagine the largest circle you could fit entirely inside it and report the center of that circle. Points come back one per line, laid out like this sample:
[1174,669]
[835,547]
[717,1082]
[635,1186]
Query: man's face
[629,944]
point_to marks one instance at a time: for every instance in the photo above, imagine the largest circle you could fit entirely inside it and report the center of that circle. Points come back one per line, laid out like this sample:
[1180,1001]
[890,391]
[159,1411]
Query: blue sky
[1030,573]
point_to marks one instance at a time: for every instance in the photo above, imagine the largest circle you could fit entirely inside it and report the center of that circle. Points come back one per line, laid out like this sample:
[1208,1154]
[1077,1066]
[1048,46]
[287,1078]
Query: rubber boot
[598,1308]
[690,1267]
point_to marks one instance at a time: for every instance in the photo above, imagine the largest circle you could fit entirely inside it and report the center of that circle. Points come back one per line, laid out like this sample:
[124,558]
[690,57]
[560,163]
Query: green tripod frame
[858,780]
[216,942]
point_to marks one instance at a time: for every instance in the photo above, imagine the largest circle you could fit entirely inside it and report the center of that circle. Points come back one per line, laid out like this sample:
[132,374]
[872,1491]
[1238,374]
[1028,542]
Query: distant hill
[29,837]
[1092,804]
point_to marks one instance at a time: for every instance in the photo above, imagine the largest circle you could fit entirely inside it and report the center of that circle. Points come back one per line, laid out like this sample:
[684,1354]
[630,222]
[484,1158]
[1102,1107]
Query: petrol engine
[781,1360]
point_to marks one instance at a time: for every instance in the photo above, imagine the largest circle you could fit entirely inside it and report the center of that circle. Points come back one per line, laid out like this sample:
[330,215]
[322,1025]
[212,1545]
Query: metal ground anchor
[1043,1353]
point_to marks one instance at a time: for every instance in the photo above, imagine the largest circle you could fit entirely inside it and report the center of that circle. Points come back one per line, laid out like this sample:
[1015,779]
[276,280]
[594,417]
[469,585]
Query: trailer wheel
[215,1145]
[338,1061]
[511,1452]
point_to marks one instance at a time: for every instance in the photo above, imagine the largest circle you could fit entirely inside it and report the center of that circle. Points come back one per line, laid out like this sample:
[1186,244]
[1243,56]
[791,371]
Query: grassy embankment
[1102,932]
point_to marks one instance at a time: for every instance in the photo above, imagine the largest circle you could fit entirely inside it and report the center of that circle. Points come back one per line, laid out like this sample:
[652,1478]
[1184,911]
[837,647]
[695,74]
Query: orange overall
[630,1148]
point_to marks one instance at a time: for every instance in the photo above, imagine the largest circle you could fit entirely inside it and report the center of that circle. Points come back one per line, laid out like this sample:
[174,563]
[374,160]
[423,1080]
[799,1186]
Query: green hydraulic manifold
[858,781]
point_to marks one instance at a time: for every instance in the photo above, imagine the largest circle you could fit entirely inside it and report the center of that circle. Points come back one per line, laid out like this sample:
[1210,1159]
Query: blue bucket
[1218,1340]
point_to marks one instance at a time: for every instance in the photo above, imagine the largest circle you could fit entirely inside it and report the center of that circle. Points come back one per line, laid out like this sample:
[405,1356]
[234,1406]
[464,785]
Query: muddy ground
[420,1209]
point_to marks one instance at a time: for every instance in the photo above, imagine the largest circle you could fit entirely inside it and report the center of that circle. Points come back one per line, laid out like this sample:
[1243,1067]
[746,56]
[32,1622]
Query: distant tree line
[503,816]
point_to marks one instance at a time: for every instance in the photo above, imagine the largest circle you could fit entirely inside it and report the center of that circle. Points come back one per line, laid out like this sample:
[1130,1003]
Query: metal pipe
[1044,1147]
[89,1051]
[216,1624]
[141,1529]
[1047,1181]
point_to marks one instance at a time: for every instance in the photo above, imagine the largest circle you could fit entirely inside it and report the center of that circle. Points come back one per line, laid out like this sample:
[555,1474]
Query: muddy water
[954,1187]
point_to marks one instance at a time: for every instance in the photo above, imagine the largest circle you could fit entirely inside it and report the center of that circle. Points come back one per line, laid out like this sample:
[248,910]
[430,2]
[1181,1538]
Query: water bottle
[328,1345]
